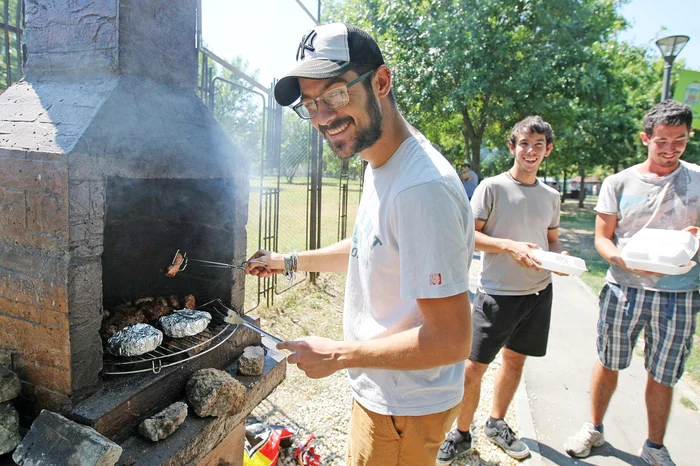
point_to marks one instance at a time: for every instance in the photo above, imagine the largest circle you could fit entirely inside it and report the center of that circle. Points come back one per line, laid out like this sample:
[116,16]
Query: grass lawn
[576,233]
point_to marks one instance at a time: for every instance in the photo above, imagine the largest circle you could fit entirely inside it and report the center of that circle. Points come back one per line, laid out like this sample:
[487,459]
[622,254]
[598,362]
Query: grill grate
[174,351]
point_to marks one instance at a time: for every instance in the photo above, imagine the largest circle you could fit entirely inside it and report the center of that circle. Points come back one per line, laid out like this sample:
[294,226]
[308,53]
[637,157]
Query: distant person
[662,192]
[407,319]
[469,179]
[515,214]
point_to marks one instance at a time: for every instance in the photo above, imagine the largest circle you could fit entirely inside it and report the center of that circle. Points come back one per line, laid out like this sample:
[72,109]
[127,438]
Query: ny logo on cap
[307,43]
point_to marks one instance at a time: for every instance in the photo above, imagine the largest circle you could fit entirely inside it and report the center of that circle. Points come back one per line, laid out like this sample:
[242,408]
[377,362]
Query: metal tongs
[235,318]
[220,265]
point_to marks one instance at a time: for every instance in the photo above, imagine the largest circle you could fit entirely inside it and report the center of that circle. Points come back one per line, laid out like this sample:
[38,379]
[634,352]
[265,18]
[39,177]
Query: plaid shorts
[668,321]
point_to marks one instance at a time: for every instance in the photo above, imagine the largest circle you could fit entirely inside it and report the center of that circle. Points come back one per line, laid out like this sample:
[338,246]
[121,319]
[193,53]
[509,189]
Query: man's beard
[366,137]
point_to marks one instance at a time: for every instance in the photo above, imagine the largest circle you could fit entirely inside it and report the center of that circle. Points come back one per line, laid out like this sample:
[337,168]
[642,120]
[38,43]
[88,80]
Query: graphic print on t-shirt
[363,234]
[670,202]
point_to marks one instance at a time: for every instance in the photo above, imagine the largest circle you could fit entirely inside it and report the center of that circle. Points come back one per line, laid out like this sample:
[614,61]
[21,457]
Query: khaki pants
[379,440]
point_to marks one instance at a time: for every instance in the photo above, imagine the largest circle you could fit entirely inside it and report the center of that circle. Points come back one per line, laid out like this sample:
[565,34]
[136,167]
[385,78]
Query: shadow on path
[606,451]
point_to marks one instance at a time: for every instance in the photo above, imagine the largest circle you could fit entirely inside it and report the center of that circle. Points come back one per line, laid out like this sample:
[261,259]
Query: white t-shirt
[413,238]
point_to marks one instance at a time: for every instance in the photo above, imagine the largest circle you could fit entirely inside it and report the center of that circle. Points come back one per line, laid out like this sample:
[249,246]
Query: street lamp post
[670,47]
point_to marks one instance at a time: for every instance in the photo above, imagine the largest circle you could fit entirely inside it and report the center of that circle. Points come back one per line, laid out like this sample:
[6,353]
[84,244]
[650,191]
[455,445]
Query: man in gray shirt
[662,192]
[515,214]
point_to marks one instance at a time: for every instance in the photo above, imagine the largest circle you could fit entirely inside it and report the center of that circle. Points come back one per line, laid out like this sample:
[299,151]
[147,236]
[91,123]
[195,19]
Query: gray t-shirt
[635,199]
[519,212]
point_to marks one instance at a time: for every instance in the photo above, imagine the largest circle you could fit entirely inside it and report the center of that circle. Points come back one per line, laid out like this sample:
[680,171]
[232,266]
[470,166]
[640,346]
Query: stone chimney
[108,163]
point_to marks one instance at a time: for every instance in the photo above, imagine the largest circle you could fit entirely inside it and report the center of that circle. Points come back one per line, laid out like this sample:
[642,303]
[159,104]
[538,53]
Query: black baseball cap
[325,52]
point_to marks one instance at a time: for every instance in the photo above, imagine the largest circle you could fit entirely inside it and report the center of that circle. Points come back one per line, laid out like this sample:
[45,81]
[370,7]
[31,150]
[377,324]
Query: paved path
[558,388]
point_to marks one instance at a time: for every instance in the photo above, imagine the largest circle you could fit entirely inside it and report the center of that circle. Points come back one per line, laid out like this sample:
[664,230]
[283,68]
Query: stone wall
[34,273]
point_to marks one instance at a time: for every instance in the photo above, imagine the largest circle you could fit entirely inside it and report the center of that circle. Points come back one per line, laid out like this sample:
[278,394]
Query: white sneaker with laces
[579,446]
[656,456]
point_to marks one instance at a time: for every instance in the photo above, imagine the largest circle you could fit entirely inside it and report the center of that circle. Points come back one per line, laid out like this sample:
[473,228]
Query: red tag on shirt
[436,279]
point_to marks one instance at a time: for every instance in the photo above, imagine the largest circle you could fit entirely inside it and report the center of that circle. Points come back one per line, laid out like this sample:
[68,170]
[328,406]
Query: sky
[266,33]
[654,19]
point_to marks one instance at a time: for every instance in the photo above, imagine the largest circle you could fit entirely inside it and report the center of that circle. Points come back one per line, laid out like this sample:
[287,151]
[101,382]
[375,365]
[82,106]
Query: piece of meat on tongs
[176,264]
[181,261]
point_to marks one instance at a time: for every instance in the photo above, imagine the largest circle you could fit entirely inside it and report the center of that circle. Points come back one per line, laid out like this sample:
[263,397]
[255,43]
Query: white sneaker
[579,446]
[656,456]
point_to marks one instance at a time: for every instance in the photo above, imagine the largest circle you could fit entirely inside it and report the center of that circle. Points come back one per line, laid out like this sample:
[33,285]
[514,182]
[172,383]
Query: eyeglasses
[333,99]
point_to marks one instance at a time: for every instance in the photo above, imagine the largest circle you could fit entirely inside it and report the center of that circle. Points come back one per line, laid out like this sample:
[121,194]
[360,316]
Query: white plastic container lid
[667,247]
[560,263]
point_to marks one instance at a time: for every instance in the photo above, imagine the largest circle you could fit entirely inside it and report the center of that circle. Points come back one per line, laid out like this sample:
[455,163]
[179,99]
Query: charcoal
[142,301]
[184,323]
[124,307]
[134,340]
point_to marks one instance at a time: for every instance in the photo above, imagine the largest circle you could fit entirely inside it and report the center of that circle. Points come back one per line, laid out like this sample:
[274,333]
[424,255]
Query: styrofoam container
[666,247]
[560,263]
[658,267]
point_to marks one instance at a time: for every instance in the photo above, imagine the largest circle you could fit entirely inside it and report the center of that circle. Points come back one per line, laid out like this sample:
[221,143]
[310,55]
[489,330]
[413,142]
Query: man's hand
[521,252]
[316,356]
[695,231]
[271,263]
[619,262]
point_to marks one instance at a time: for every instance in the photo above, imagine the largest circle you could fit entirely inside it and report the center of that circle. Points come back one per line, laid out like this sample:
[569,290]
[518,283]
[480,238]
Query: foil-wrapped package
[134,340]
[184,323]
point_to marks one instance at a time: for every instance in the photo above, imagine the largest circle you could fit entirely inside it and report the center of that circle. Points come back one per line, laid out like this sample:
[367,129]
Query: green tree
[240,110]
[603,131]
[500,61]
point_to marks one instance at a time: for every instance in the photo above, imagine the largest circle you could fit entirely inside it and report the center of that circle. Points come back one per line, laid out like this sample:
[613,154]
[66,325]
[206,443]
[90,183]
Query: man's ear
[645,138]
[383,81]
[511,147]
[548,150]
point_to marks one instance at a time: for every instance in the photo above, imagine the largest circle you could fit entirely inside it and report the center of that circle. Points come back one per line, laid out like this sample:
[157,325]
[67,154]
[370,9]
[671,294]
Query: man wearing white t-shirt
[407,320]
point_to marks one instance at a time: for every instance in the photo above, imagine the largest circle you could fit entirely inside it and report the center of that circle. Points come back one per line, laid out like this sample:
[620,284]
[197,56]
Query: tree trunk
[472,142]
[582,189]
[476,155]
[563,188]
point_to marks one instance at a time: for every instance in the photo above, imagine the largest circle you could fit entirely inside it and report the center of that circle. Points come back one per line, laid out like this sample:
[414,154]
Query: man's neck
[652,170]
[521,176]
[395,130]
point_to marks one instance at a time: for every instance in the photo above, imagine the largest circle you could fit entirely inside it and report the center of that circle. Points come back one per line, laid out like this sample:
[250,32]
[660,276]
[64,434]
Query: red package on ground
[262,445]
[305,453]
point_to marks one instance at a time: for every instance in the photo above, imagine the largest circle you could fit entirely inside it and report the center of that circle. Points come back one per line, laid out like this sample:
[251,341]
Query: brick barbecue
[109,162]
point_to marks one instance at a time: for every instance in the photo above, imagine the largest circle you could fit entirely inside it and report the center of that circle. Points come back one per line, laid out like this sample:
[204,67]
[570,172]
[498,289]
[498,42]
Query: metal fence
[301,195]
[12,24]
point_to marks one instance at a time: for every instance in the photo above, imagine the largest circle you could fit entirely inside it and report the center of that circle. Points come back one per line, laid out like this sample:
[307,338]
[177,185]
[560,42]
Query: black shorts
[520,323]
